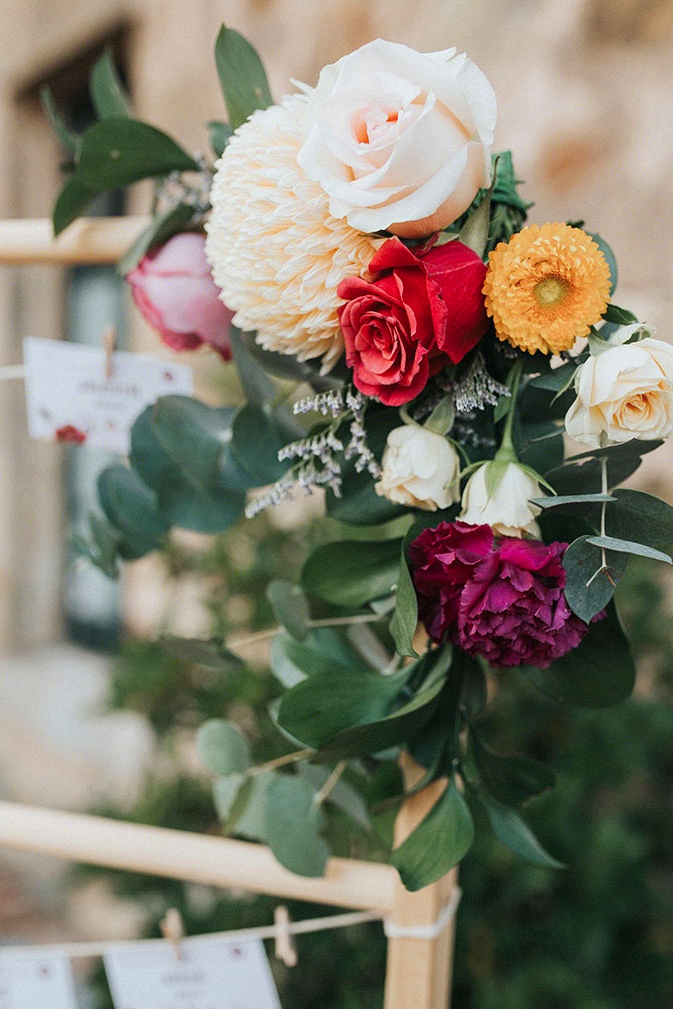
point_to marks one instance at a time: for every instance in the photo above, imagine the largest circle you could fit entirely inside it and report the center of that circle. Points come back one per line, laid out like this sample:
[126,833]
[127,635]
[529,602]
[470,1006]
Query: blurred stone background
[584,90]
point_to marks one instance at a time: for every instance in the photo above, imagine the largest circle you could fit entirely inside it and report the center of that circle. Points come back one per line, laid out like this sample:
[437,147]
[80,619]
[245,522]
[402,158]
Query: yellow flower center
[550,292]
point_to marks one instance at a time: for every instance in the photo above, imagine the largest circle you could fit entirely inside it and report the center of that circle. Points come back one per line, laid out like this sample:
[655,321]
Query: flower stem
[506,452]
[287,758]
[269,632]
[329,785]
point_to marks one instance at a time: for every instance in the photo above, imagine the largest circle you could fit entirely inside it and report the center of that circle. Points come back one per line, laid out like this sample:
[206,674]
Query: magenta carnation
[501,600]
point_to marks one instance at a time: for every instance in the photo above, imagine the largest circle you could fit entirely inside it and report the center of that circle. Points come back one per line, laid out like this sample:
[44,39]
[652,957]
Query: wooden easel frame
[418,973]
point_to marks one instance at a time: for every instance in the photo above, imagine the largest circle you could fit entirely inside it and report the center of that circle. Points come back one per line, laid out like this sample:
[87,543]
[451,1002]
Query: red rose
[416,315]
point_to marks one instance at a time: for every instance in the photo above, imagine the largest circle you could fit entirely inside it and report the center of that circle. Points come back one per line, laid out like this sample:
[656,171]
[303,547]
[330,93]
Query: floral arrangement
[407,342]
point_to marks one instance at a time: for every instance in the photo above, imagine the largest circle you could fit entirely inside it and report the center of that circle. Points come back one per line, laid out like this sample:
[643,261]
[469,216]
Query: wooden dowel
[419,970]
[87,241]
[198,858]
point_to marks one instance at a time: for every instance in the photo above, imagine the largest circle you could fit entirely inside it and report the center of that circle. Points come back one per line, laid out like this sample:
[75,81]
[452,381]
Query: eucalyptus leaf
[581,474]
[225,791]
[118,151]
[222,747]
[107,93]
[290,607]
[351,573]
[440,842]
[103,550]
[248,816]
[342,795]
[293,825]
[555,380]
[587,591]
[324,650]
[629,547]
[203,511]
[570,501]
[258,427]
[642,516]
[242,76]
[181,501]
[509,828]
[132,508]
[194,436]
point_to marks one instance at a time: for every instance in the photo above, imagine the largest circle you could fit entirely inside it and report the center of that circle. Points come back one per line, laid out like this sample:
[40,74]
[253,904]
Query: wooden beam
[87,241]
[419,970]
[198,858]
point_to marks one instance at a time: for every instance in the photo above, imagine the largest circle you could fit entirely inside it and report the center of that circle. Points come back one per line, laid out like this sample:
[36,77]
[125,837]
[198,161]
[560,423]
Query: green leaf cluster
[119,150]
[189,466]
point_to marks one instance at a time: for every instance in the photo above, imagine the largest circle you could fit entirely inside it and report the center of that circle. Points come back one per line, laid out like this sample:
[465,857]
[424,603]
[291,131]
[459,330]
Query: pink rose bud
[176,294]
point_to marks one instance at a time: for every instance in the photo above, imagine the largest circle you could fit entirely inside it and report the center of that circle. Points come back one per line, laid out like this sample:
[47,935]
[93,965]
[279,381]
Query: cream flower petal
[276,252]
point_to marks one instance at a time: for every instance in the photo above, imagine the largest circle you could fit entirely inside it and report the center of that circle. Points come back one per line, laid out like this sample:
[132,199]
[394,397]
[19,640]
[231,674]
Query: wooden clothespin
[285,950]
[109,345]
[173,930]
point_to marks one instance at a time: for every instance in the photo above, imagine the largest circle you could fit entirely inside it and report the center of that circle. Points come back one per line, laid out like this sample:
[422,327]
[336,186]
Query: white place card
[210,974]
[71,398]
[35,978]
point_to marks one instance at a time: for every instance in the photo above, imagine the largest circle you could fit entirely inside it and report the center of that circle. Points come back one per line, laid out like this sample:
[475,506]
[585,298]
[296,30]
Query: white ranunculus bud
[419,469]
[399,139]
[624,391]
[507,508]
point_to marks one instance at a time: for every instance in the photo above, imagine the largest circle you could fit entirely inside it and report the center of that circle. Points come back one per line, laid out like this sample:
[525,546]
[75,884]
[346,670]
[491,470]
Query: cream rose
[506,507]
[624,391]
[419,469]
[399,139]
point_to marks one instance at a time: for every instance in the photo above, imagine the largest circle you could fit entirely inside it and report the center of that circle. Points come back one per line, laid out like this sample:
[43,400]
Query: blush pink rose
[418,314]
[176,294]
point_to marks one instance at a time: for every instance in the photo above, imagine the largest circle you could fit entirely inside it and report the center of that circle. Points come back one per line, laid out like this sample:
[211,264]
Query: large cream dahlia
[276,252]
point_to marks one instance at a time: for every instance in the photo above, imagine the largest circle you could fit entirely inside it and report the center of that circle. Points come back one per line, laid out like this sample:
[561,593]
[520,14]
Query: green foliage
[294,825]
[290,607]
[352,573]
[405,618]
[242,76]
[107,93]
[511,830]
[590,584]
[512,780]
[160,229]
[441,841]
[581,474]
[598,673]
[118,150]
[219,134]
[72,201]
[69,140]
